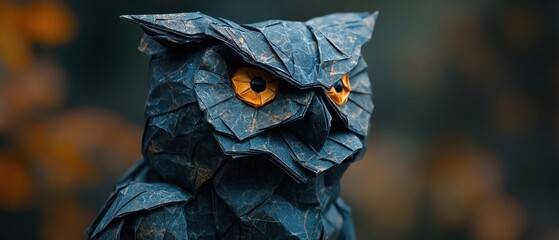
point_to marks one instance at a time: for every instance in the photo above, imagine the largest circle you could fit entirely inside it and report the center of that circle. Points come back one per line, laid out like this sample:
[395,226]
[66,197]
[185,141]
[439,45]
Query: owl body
[249,129]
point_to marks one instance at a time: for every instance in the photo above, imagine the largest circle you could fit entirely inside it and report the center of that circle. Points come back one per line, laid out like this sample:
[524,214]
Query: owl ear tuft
[178,28]
[360,25]
[339,37]
[369,22]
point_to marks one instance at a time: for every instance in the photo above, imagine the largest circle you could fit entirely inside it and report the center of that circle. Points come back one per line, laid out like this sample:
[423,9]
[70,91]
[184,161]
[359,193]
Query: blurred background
[464,140]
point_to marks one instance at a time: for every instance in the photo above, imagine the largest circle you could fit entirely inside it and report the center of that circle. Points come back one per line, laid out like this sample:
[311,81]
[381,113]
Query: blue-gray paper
[214,167]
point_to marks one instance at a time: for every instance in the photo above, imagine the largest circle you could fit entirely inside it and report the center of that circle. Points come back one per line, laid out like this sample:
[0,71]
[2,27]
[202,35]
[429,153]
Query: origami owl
[248,131]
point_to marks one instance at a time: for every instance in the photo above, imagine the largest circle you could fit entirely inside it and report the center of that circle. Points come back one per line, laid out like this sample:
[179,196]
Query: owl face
[295,93]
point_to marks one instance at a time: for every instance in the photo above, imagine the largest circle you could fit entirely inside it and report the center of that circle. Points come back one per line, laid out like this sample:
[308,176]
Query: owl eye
[339,93]
[254,86]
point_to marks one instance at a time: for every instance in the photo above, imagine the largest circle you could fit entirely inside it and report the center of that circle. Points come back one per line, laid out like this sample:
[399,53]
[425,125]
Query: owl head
[294,93]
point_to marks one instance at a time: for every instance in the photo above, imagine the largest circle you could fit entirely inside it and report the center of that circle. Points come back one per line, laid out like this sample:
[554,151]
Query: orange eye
[255,86]
[339,93]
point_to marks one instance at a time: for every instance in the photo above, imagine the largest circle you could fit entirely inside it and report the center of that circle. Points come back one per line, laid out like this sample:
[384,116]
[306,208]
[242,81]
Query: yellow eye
[339,93]
[255,86]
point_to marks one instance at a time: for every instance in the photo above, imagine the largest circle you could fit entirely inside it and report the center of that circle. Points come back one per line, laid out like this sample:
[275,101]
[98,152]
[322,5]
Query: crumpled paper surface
[214,167]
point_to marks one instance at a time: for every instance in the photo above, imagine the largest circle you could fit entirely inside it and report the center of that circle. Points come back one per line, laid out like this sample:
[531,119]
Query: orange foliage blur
[65,220]
[461,182]
[35,91]
[16,187]
[384,185]
[47,22]
[72,149]
[44,22]
[49,157]
[499,219]
[460,176]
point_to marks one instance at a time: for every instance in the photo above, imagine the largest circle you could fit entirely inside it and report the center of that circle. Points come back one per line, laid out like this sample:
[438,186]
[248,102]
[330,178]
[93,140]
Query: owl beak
[314,128]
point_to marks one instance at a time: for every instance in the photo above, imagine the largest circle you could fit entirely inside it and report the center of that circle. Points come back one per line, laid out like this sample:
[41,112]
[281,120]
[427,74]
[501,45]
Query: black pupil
[258,84]
[339,86]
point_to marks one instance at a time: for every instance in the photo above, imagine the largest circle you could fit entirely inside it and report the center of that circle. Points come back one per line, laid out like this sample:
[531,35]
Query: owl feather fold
[274,44]
[214,166]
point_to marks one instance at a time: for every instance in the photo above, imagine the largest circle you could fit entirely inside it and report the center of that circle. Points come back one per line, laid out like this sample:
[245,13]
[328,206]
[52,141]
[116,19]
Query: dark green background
[483,72]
